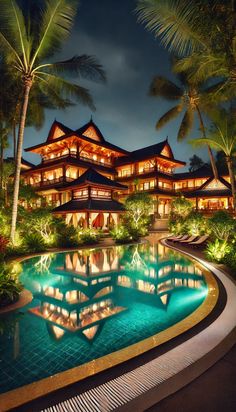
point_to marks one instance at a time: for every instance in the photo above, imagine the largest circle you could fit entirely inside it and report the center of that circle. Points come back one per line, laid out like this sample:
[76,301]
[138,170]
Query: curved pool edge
[144,386]
[30,392]
[25,298]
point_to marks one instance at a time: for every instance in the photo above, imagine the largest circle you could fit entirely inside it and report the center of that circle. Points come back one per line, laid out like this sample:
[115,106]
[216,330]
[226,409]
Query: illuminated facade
[86,178]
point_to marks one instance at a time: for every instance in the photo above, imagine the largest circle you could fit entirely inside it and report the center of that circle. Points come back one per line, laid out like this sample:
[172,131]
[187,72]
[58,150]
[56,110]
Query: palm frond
[214,144]
[186,124]
[13,28]
[57,20]
[82,66]
[170,115]
[10,54]
[162,87]
[177,23]
[66,89]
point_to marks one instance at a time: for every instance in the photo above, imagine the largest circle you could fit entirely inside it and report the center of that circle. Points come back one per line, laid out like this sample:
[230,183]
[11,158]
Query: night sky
[131,56]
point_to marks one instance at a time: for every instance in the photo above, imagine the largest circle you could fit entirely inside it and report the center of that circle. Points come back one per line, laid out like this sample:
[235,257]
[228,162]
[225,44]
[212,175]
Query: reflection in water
[79,291]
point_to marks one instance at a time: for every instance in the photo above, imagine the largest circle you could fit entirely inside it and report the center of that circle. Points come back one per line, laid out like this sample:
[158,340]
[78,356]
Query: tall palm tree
[4,131]
[27,44]
[222,137]
[202,34]
[191,98]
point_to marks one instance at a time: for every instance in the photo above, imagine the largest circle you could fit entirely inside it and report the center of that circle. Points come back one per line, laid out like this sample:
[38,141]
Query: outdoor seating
[199,242]
[189,240]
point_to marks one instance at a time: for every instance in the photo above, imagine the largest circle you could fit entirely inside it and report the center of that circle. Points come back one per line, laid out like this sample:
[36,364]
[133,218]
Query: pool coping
[30,392]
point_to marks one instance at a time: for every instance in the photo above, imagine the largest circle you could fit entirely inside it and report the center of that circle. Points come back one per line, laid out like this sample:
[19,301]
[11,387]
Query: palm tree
[191,98]
[222,137]
[184,27]
[4,131]
[26,44]
[195,162]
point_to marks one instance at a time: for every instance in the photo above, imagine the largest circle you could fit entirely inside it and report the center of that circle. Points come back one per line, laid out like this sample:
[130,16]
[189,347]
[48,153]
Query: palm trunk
[212,159]
[232,179]
[27,87]
[14,138]
[1,166]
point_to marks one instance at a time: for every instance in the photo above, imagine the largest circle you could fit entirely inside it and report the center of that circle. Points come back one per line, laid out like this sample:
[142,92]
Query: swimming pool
[93,302]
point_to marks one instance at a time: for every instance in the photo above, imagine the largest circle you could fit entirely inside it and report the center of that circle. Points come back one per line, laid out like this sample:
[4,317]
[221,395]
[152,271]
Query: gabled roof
[212,187]
[60,128]
[91,130]
[148,152]
[24,163]
[92,177]
[203,171]
[90,204]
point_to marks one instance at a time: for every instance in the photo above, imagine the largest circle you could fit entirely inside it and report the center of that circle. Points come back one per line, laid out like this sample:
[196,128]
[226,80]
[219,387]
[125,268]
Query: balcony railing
[144,172]
[49,182]
[74,156]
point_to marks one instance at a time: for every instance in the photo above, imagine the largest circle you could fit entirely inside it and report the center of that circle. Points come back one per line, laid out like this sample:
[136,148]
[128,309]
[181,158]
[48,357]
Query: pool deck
[151,383]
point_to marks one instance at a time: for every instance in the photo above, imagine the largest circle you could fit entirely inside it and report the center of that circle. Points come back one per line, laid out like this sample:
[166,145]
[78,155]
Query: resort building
[86,178]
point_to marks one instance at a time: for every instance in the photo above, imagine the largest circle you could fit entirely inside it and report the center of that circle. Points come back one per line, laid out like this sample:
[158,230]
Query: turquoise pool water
[92,302]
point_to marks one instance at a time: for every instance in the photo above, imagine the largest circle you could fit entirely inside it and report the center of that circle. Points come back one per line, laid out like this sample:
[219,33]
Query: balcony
[74,156]
[53,182]
[144,172]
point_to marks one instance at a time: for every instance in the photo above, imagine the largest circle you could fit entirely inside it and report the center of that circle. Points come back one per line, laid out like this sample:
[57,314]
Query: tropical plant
[4,131]
[4,241]
[222,225]
[184,26]
[10,287]
[191,98]
[195,162]
[138,208]
[181,206]
[66,236]
[217,250]
[177,224]
[121,234]
[34,243]
[88,236]
[195,224]
[27,43]
[222,137]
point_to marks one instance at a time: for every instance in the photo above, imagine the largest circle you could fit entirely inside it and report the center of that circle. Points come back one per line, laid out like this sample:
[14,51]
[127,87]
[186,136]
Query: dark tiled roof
[55,124]
[91,176]
[146,153]
[83,129]
[90,204]
[204,171]
[203,192]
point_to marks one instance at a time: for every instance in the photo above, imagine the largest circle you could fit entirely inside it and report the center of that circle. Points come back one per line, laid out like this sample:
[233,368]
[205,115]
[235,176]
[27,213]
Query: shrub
[66,236]
[122,235]
[4,241]
[195,224]
[217,250]
[88,236]
[221,225]
[137,218]
[10,287]
[33,242]
[230,259]
[177,225]
[181,206]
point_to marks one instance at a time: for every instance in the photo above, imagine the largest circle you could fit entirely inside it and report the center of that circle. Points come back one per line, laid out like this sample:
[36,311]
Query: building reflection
[89,287]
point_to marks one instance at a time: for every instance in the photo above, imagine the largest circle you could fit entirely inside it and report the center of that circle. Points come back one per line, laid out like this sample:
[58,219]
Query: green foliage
[230,259]
[41,222]
[34,243]
[88,236]
[221,225]
[217,250]
[66,236]
[195,224]
[121,234]
[176,224]
[137,218]
[10,287]
[181,206]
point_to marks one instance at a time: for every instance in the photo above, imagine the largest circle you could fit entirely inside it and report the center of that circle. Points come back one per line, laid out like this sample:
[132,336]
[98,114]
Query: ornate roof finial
[91,118]
[167,138]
